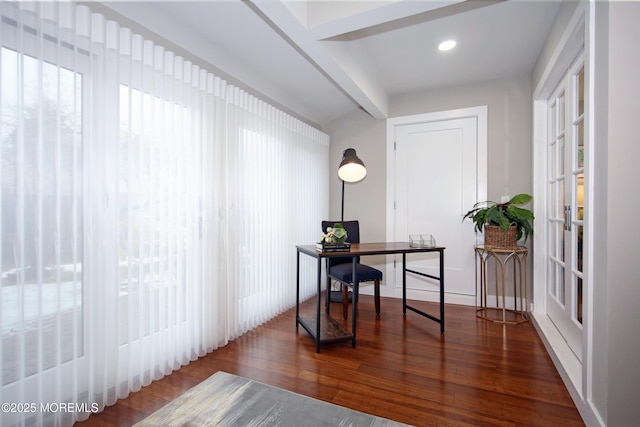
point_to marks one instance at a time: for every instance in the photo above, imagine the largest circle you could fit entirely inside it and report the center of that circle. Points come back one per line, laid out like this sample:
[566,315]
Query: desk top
[383,248]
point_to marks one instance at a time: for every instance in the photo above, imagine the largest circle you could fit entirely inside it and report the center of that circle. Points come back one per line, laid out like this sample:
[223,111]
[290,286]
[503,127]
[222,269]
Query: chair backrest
[353,236]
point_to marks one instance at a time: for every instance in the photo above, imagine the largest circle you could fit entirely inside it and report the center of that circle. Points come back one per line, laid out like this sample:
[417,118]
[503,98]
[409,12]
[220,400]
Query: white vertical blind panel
[150,210]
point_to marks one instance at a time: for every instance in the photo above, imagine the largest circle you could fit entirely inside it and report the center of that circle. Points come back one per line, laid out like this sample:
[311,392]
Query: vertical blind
[150,211]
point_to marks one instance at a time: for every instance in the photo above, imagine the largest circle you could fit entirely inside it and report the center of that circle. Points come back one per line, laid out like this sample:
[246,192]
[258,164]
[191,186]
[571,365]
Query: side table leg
[503,274]
[526,298]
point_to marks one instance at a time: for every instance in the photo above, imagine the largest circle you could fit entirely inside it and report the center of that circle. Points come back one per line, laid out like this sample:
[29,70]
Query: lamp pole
[342,210]
[351,169]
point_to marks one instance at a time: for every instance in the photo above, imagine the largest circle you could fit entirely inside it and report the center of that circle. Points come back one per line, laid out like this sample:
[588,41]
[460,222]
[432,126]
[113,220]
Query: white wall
[509,147]
[623,240]
[596,365]
[364,200]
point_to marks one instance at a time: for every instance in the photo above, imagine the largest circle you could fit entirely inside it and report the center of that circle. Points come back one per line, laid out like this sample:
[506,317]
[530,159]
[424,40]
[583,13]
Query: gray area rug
[229,400]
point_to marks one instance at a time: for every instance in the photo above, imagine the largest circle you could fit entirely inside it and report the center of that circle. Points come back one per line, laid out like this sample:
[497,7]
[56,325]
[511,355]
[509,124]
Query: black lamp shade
[351,168]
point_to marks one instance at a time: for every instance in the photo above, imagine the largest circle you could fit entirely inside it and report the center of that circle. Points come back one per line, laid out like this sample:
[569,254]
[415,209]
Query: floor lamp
[351,169]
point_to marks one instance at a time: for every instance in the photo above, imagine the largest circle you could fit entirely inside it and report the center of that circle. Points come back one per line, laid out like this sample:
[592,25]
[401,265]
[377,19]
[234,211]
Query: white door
[565,157]
[436,175]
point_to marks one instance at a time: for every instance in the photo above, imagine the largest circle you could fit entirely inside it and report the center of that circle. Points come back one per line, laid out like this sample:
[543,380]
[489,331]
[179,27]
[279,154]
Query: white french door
[565,161]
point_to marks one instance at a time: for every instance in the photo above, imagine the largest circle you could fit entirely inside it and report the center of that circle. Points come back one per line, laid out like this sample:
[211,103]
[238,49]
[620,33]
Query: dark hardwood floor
[476,374]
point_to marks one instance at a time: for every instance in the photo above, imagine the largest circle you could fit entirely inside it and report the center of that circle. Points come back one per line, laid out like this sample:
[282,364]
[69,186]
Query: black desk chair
[340,269]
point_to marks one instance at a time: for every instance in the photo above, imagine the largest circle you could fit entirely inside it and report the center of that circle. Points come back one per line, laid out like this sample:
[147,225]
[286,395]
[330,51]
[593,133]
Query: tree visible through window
[41,214]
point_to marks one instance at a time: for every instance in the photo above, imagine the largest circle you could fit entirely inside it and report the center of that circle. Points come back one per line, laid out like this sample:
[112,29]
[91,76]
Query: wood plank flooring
[475,374]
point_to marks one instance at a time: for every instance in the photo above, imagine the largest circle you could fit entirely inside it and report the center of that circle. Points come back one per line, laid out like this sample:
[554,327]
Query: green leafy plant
[504,215]
[340,234]
[335,234]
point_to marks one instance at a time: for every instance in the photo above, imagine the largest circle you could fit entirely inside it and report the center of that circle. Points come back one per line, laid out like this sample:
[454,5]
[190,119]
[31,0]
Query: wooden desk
[324,329]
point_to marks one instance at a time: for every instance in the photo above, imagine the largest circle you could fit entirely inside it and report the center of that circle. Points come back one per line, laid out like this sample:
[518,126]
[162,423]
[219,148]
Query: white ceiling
[322,59]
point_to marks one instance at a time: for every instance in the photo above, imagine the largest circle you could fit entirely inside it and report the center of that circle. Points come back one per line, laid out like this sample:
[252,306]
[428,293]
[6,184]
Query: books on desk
[333,247]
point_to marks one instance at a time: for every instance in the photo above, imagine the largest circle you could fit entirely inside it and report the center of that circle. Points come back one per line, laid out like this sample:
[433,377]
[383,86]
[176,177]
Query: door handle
[567,218]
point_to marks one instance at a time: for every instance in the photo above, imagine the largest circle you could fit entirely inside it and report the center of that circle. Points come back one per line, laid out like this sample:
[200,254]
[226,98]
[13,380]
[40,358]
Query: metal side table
[499,312]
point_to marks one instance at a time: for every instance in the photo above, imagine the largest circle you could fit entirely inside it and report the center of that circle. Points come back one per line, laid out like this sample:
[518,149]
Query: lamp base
[336,296]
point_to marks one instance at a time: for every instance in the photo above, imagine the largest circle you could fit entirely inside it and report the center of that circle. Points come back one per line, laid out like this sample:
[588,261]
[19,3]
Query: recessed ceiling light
[447,45]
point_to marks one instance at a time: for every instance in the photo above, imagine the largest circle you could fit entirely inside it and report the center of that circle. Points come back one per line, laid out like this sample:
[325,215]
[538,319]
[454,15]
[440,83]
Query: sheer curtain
[277,173]
[149,211]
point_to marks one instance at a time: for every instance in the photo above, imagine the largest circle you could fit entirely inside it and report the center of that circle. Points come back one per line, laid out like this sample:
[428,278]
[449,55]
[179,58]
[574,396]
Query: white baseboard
[567,365]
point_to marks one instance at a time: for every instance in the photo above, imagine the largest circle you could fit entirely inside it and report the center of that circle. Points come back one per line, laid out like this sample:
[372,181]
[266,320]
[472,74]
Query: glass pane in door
[579,300]
[580,91]
[579,220]
[580,145]
[560,293]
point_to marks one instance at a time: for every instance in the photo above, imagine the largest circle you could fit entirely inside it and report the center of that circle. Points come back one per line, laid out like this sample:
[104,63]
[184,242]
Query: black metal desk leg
[297,288]
[328,296]
[319,297]
[442,291]
[404,283]
[354,299]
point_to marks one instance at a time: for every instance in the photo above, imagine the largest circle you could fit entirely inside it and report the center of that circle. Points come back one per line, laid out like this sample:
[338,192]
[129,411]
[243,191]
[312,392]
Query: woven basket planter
[495,237]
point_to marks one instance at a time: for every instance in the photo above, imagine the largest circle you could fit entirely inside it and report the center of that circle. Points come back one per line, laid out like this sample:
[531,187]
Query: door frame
[578,36]
[480,113]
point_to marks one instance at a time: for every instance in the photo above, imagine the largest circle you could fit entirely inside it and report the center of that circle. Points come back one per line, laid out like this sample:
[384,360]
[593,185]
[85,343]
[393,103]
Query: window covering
[150,211]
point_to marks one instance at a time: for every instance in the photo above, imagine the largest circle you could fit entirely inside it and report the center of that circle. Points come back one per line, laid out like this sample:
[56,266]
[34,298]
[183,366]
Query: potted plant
[503,223]
[335,234]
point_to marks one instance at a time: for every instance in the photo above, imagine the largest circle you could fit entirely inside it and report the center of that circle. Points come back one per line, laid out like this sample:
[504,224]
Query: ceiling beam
[347,75]
[399,13]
